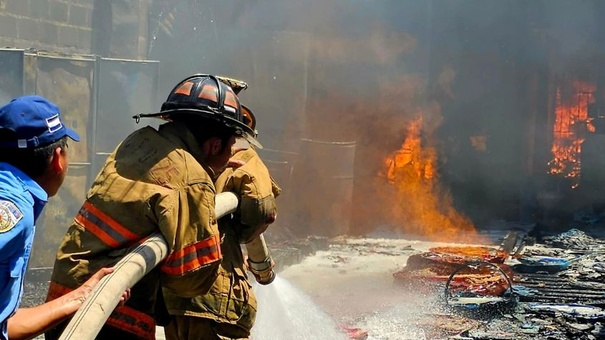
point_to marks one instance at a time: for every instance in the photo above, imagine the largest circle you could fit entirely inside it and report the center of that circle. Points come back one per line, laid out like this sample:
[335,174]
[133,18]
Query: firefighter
[157,180]
[33,165]
[228,310]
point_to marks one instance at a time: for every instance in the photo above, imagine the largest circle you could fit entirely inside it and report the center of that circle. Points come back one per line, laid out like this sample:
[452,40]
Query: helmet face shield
[249,138]
[241,144]
[235,84]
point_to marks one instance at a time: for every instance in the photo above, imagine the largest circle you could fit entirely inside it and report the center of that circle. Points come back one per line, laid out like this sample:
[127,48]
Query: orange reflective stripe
[110,222]
[132,321]
[193,256]
[104,227]
[98,232]
[123,318]
[185,89]
[208,92]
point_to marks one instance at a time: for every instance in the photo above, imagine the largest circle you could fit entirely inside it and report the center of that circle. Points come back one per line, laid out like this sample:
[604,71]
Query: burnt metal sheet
[66,80]
[551,288]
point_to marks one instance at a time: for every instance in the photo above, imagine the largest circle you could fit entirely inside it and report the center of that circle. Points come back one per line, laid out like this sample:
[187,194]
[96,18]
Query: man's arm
[27,323]
[257,191]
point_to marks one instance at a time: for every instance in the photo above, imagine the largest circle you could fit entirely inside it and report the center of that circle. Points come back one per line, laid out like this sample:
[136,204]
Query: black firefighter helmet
[207,97]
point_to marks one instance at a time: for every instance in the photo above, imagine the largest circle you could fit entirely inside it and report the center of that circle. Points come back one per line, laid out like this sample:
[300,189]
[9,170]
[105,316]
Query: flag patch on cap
[54,123]
[9,216]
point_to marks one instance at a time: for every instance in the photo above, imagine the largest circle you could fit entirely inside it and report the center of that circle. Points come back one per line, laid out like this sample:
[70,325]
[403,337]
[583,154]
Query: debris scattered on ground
[558,290]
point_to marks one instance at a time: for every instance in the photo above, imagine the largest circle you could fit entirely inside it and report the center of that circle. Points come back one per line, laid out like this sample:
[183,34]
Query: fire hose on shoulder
[104,298]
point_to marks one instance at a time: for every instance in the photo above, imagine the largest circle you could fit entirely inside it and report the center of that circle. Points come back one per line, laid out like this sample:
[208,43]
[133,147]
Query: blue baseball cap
[36,122]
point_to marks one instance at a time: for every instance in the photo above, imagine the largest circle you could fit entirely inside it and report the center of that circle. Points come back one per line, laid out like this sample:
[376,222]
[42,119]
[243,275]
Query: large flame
[421,208]
[569,129]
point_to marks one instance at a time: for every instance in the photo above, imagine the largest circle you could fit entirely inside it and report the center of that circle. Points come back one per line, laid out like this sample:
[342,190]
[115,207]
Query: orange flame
[421,208]
[569,130]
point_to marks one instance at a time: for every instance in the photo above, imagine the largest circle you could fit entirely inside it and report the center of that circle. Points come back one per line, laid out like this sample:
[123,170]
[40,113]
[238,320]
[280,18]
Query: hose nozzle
[262,271]
[260,262]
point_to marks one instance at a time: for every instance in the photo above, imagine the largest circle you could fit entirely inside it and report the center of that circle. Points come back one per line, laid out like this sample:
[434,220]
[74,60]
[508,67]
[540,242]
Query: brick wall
[66,26]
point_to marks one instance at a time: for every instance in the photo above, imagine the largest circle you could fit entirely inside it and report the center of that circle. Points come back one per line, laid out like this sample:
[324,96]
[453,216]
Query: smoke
[476,71]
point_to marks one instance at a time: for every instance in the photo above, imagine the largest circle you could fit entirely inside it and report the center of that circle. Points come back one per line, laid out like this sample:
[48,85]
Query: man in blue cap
[33,165]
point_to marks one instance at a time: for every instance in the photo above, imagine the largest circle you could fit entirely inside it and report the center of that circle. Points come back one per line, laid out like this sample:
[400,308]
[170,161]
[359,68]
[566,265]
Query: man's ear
[55,162]
[215,146]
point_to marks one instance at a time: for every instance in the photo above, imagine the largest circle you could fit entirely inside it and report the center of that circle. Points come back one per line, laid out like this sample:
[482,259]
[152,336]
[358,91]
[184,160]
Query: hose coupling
[262,271]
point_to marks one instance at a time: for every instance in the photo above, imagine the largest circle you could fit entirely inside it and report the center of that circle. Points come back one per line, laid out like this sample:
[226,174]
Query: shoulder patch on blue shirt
[9,215]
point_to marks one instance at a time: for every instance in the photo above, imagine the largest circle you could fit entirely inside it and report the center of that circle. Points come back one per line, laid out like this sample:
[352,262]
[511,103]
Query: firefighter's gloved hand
[262,271]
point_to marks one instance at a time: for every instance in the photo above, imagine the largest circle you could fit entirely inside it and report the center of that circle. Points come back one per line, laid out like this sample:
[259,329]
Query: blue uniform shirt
[21,202]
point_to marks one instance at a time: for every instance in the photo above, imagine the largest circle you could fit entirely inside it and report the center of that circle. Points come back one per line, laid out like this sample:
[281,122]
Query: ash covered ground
[36,286]
[352,281]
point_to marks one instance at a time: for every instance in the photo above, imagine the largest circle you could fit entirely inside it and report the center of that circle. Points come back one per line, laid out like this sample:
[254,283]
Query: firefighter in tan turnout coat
[157,180]
[228,310]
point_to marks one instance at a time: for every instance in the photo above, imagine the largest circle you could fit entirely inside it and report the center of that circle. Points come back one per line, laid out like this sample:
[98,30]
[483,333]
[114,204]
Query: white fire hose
[90,318]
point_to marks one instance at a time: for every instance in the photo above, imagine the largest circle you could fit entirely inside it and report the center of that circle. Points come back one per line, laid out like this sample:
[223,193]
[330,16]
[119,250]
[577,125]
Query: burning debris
[439,263]
[549,290]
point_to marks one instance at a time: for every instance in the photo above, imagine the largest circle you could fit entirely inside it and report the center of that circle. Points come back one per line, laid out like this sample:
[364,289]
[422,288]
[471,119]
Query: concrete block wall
[67,26]
[53,25]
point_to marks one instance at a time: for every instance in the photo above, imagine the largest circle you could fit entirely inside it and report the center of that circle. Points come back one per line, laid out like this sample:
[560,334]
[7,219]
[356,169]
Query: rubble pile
[548,288]
[584,254]
[574,240]
[557,291]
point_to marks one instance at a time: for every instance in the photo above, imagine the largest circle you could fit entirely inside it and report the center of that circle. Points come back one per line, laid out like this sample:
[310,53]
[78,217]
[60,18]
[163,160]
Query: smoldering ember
[442,162]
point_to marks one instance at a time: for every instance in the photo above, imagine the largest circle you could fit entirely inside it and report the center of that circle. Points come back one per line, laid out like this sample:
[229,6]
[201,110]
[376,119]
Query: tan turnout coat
[231,301]
[152,182]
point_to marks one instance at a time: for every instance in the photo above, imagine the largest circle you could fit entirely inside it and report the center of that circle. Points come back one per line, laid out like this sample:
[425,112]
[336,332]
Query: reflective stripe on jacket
[152,181]
[231,300]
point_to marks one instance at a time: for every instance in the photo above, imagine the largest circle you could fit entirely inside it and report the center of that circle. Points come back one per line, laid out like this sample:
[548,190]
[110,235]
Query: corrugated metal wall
[97,97]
